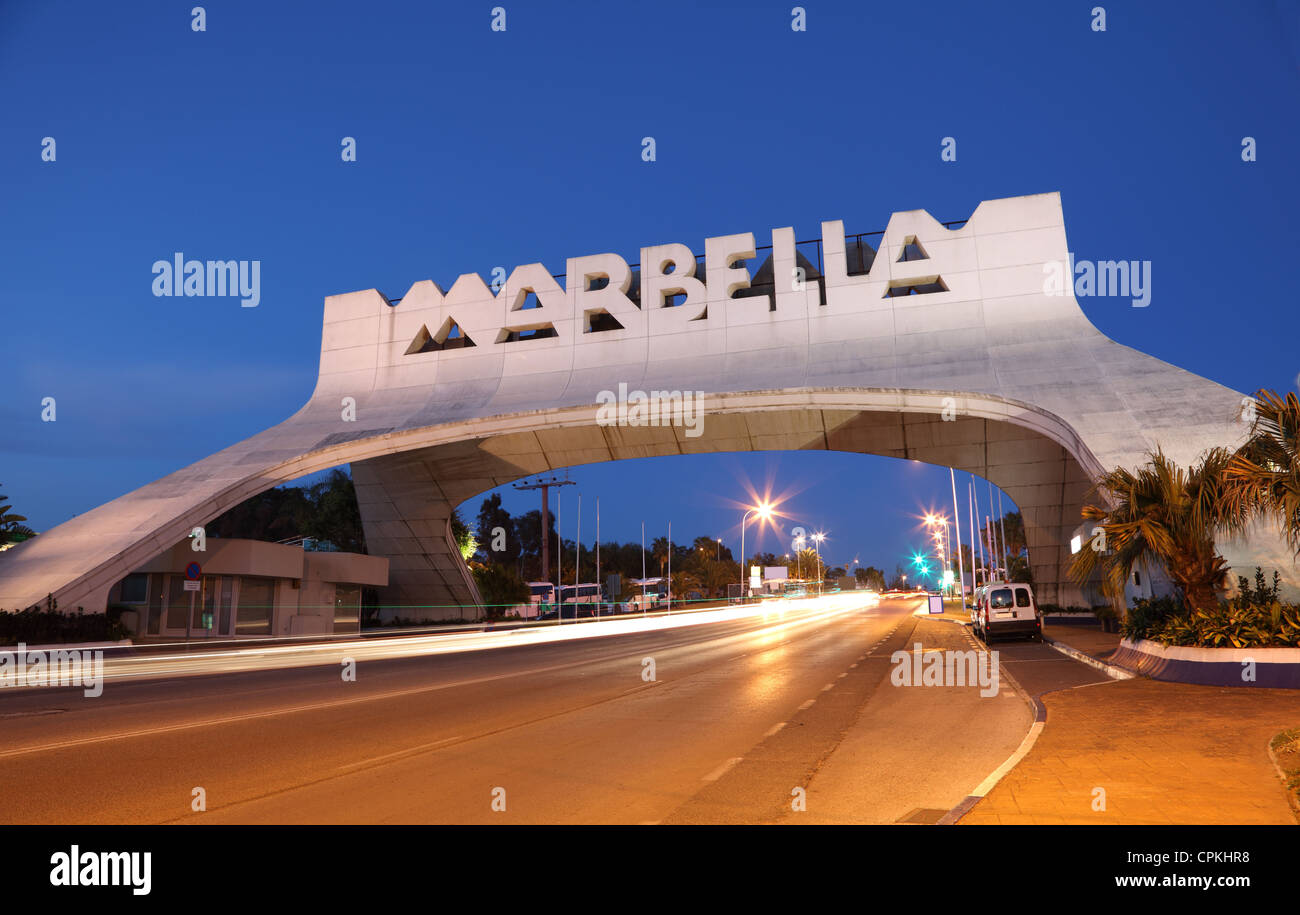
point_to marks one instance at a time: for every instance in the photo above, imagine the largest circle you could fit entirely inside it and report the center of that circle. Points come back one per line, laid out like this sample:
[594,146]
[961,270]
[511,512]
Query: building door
[212,614]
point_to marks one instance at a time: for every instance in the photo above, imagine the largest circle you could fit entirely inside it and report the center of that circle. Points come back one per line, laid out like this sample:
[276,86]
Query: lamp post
[817,539]
[938,525]
[764,511]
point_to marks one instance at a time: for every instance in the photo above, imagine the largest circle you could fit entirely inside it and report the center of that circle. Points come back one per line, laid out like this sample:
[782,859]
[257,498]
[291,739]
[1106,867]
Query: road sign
[193,571]
[191,585]
[936,603]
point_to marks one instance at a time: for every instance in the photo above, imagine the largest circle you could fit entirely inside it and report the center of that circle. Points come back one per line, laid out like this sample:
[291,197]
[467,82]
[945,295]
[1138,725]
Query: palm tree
[11,524]
[1263,476]
[659,552]
[1163,514]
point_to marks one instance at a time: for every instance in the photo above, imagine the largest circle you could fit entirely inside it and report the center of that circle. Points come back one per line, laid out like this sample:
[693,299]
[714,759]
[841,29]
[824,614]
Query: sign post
[193,572]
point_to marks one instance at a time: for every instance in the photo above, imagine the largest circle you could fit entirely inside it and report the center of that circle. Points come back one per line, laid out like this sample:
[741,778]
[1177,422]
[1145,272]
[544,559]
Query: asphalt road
[738,715]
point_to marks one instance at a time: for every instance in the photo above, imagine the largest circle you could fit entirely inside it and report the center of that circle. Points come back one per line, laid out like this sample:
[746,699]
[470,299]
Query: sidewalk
[1085,636]
[1164,753]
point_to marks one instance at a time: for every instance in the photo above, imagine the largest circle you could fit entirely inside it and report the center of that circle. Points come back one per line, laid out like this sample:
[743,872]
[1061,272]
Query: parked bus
[580,600]
[648,594]
[541,599]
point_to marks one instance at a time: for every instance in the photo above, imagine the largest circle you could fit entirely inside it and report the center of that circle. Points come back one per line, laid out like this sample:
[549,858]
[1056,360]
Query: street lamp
[764,511]
[719,549]
[817,539]
[938,525]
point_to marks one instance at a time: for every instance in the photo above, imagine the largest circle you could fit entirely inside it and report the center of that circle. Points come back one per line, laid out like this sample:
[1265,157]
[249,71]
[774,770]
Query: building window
[178,603]
[256,606]
[135,588]
[227,591]
[155,603]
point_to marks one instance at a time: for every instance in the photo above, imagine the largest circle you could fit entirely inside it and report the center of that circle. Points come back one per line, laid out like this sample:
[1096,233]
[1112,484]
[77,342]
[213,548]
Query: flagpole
[956,527]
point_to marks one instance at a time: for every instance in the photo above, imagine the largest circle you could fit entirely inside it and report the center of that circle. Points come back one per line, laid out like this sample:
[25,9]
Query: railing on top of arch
[855,246]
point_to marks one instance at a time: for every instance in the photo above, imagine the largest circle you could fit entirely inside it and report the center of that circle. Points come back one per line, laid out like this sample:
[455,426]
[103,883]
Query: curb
[1277,668]
[1110,670]
[1291,798]
[1040,721]
[67,646]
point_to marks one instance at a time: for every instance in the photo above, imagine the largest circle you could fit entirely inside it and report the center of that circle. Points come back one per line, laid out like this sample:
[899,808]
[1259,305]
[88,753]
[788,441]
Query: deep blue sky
[478,148]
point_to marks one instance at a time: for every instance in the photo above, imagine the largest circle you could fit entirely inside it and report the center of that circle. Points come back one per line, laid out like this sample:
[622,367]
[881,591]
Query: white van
[1006,608]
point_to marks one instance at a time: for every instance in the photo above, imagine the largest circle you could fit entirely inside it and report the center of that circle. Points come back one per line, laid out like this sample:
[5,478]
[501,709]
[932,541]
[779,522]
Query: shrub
[500,587]
[1148,615]
[1230,626]
[1261,594]
[41,627]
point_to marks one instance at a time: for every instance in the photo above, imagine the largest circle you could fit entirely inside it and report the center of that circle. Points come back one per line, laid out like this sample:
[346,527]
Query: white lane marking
[774,728]
[853,665]
[423,746]
[807,705]
[1095,683]
[842,676]
[722,769]
[828,687]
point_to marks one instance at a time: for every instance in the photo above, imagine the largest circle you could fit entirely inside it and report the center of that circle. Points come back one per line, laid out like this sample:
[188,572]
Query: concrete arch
[406,497]
[845,360]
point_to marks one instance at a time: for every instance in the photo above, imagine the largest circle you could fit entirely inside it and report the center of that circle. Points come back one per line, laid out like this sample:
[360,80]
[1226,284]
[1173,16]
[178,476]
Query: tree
[701,552]
[1263,476]
[277,514]
[684,583]
[659,552]
[11,525]
[332,513]
[900,578]
[492,516]
[528,530]
[1160,514]
[871,577]
[717,575]
[1018,570]
[1014,525]
[466,542]
[500,587]
[805,565]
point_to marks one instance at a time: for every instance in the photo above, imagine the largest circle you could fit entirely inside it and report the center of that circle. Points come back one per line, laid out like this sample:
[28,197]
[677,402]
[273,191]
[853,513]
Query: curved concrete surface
[979,369]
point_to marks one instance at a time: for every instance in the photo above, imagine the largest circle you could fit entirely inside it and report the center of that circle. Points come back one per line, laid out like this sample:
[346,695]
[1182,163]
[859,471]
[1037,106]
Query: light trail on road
[783,614]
